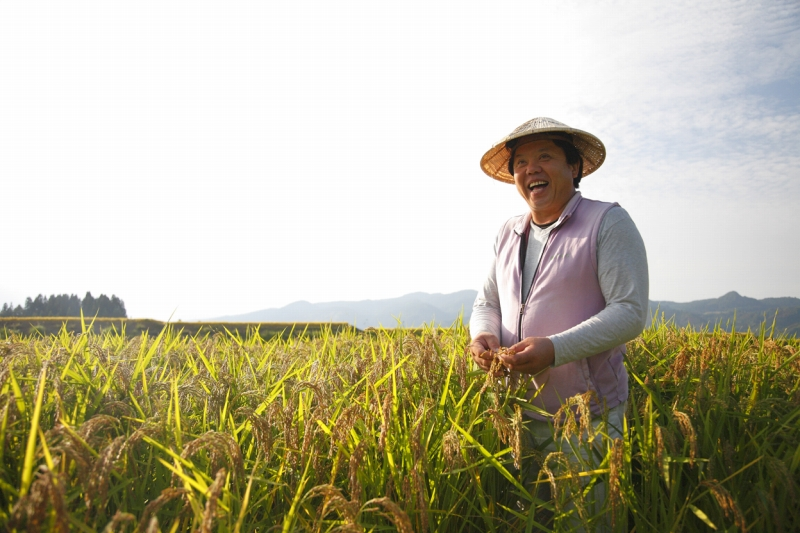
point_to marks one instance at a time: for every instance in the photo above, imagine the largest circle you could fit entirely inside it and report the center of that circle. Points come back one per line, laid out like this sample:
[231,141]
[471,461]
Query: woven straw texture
[495,162]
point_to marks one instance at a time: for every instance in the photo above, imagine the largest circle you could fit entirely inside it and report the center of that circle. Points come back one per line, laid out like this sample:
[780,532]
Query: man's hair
[570,152]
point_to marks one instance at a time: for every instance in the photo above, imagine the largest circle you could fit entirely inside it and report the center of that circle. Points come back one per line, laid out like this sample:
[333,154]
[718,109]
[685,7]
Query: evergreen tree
[118,307]
[74,307]
[67,305]
[89,305]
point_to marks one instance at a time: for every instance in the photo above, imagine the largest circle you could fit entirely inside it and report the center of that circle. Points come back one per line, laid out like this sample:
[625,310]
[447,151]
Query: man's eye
[520,162]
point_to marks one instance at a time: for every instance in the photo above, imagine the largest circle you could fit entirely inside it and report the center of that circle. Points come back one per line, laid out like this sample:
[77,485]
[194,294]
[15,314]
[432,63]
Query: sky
[200,159]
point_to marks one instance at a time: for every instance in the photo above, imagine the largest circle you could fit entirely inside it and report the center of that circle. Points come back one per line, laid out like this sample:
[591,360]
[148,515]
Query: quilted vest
[564,293]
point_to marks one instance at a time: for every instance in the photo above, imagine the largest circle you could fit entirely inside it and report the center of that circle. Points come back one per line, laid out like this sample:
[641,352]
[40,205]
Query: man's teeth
[536,184]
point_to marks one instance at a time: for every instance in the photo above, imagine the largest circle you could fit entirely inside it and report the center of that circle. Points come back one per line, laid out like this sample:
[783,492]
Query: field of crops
[382,431]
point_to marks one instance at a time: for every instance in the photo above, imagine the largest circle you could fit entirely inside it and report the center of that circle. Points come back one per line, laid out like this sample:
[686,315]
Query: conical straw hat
[495,162]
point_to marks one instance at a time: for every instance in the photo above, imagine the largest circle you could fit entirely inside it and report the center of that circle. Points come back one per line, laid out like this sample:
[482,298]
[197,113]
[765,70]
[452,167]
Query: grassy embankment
[133,327]
[379,431]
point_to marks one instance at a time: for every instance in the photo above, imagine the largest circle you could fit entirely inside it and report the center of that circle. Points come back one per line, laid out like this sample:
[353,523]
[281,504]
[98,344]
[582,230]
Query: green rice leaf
[702,516]
[30,450]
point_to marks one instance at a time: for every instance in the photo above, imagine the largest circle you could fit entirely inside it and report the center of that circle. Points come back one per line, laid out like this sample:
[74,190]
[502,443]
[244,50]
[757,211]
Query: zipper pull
[521,309]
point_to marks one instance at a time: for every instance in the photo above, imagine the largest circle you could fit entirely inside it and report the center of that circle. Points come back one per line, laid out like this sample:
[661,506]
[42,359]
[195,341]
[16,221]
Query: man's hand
[531,355]
[481,349]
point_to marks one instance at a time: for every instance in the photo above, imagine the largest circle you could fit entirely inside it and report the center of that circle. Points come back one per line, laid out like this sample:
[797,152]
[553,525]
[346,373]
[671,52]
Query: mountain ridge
[410,310]
[732,310]
[419,308]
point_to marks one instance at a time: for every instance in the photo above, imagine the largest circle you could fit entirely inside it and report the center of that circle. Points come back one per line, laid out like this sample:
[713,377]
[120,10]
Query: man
[568,286]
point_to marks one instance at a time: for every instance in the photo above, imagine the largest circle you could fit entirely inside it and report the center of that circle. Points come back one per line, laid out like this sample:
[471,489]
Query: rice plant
[384,430]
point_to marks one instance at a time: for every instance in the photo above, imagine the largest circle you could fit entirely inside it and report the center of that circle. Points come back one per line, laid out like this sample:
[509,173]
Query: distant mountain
[416,309]
[411,310]
[733,309]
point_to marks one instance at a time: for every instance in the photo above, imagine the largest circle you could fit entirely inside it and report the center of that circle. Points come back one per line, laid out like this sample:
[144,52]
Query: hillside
[411,310]
[419,308]
[733,308]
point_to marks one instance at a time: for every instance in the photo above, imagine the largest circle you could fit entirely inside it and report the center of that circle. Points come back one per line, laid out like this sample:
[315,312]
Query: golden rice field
[388,430]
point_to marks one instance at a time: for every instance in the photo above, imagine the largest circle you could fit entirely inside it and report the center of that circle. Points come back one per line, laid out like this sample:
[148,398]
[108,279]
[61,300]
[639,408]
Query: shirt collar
[525,221]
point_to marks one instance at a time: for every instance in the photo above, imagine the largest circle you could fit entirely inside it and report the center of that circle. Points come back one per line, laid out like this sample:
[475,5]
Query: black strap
[523,253]
[523,249]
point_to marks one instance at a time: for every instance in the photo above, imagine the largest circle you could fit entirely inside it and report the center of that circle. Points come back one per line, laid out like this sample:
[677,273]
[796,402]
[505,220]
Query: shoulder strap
[523,248]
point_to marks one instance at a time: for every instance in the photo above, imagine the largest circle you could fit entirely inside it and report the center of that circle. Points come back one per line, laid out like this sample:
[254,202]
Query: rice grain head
[659,448]
[565,422]
[680,365]
[118,518]
[416,441]
[290,431]
[584,403]
[570,489]
[685,425]
[261,430]
[334,500]
[95,430]
[221,448]
[556,457]
[344,423]
[97,490]
[451,446]
[214,493]
[462,363]
[781,478]
[574,417]
[726,502]
[309,431]
[392,511]
[30,511]
[74,450]
[516,425]
[616,465]
[502,426]
[148,519]
[356,459]
[422,495]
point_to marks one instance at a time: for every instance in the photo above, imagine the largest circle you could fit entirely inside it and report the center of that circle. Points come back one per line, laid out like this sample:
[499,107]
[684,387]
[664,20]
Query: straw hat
[495,162]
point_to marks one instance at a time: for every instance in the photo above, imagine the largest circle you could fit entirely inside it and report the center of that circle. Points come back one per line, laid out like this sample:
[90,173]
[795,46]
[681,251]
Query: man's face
[544,179]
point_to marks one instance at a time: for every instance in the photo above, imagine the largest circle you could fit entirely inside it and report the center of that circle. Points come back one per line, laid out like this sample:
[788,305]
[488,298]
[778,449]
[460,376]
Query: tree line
[68,305]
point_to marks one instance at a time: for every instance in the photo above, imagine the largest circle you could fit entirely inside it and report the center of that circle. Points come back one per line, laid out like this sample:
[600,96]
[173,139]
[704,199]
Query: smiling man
[568,284]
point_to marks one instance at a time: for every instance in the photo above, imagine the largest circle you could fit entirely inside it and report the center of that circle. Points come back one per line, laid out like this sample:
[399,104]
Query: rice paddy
[385,430]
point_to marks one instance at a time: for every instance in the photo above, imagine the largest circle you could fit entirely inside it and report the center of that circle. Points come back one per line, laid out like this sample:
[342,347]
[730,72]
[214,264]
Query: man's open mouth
[537,185]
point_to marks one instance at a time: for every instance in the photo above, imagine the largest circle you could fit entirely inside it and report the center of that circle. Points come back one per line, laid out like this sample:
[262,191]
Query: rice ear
[148,521]
[394,513]
[687,429]
[214,493]
[726,502]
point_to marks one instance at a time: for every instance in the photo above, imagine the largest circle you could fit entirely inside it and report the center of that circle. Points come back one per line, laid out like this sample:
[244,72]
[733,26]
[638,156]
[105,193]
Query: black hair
[570,152]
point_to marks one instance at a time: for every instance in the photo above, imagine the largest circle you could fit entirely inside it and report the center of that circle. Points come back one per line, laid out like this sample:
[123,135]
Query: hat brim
[494,163]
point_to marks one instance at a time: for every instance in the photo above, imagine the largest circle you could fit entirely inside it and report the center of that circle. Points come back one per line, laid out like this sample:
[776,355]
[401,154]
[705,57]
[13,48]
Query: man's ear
[575,169]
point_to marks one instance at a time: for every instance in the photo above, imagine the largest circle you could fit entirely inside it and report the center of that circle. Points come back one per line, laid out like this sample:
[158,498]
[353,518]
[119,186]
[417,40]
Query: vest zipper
[535,272]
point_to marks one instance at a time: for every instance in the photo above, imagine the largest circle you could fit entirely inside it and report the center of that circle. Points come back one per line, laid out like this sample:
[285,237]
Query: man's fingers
[514,355]
[522,345]
[479,351]
[484,349]
[484,346]
[481,356]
